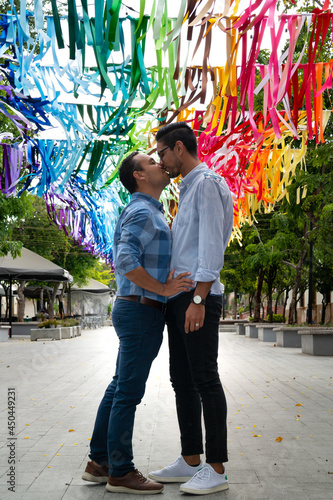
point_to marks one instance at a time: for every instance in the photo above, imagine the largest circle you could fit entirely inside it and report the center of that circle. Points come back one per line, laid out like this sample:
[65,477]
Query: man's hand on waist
[181,283]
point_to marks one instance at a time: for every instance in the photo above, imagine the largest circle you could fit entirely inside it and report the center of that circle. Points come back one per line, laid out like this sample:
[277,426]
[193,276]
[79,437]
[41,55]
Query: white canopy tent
[90,299]
[30,266]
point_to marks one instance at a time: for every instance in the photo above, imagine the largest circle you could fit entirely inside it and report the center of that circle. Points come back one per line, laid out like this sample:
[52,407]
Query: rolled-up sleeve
[137,231]
[215,202]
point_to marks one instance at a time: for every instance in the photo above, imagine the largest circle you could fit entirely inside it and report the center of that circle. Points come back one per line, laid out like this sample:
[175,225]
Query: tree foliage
[12,211]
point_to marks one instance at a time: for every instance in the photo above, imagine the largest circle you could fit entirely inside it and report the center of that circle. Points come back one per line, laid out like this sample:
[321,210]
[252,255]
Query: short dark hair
[179,131]
[126,169]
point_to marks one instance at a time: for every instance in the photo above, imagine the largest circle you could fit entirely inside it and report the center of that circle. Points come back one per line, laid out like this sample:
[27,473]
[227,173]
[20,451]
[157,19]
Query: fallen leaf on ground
[279,439]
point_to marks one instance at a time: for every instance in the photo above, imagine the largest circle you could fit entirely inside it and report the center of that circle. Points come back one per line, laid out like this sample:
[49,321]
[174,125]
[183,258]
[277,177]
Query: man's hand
[194,317]
[172,286]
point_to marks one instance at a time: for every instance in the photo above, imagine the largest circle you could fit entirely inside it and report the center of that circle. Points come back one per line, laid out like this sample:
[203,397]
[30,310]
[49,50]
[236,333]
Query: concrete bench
[4,333]
[287,336]
[251,330]
[227,328]
[266,332]
[317,341]
[240,328]
[23,328]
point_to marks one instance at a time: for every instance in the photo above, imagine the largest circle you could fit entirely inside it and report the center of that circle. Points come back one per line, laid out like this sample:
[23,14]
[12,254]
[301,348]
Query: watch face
[197,299]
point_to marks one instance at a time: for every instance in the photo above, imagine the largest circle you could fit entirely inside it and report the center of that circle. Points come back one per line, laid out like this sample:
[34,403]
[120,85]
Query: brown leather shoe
[134,482]
[96,473]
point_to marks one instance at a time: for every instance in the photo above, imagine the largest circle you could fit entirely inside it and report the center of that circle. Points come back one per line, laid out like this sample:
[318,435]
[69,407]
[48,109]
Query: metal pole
[10,306]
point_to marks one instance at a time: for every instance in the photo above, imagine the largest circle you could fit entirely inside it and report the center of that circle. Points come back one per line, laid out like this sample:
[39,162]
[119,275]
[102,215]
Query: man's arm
[172,286]
[215,211]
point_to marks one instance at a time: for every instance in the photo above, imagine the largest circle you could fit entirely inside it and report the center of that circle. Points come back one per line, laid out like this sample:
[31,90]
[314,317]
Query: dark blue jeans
[140,331]
[195,379]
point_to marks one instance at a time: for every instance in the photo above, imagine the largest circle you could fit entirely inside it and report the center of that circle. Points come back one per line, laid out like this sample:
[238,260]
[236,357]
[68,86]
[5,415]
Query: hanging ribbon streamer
[83,74]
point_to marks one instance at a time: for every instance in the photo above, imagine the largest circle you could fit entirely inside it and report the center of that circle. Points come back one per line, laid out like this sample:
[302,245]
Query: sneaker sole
[207,491]
[123,489]
[160,479]
[95,479]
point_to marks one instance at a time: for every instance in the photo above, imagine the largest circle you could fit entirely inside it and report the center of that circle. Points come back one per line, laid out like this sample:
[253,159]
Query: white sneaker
[205,481]
[177,472]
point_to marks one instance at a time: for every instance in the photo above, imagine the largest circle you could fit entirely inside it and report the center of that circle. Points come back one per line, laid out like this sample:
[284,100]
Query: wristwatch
[198,300]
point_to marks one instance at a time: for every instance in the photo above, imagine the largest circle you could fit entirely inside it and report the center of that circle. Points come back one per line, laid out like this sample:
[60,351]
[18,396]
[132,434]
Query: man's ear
[179,147]
[139,175]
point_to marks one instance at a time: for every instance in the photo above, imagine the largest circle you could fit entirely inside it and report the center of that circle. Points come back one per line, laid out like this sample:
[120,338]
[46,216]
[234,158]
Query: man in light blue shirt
[141,251]
[200,233]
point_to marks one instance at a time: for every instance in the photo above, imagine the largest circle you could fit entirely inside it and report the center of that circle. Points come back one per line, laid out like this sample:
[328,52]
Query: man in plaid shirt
[142,250]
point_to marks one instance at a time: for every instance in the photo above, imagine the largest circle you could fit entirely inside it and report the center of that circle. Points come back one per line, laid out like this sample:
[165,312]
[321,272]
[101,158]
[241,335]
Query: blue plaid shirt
[142,238]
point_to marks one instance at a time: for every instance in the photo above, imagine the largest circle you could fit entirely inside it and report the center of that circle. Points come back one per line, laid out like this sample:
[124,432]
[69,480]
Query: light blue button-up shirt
[202,227]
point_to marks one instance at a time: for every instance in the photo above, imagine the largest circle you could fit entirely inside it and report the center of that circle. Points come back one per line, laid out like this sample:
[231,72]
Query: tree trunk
[20,302]
[234,314]
[285,303]
[257,296]
[51,299]
[6,290]
[325,301]
[279,293]
[250,304]
[41,299]
[270,281]
[69,301]
[62,301]
[270,305]
[292,319]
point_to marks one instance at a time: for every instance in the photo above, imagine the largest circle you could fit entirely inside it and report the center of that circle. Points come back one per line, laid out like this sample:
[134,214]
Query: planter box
[287,337]
[251,330]
[77,330]
[45,333]
[317,341]
[266,331]
[58,333]
[67,332]
[4,333]
[240,329]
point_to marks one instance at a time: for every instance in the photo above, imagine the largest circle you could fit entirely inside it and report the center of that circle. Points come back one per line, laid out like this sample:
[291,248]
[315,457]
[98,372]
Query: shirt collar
[151,199]
[189,178]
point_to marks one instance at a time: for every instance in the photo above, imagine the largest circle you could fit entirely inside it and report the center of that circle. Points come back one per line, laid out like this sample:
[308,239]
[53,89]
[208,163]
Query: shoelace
[202,474]
[139,476]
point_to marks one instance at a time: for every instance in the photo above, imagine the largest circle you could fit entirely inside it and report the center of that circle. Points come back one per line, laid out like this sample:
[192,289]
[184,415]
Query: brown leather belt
[143,300]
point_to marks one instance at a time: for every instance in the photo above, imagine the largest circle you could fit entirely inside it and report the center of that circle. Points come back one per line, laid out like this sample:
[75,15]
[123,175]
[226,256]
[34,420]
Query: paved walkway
[271,392]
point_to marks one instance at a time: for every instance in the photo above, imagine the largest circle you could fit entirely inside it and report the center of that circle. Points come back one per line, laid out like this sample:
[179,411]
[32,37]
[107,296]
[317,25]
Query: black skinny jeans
[195,379]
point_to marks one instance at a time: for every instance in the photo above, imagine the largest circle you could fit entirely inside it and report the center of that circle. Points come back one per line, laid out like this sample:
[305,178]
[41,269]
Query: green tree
[12,212]
[40,235]
[103,273]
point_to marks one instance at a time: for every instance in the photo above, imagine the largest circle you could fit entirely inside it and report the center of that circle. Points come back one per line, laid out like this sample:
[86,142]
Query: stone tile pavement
[272,393]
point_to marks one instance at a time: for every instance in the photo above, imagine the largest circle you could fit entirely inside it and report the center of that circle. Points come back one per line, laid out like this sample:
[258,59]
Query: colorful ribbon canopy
[91,82]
